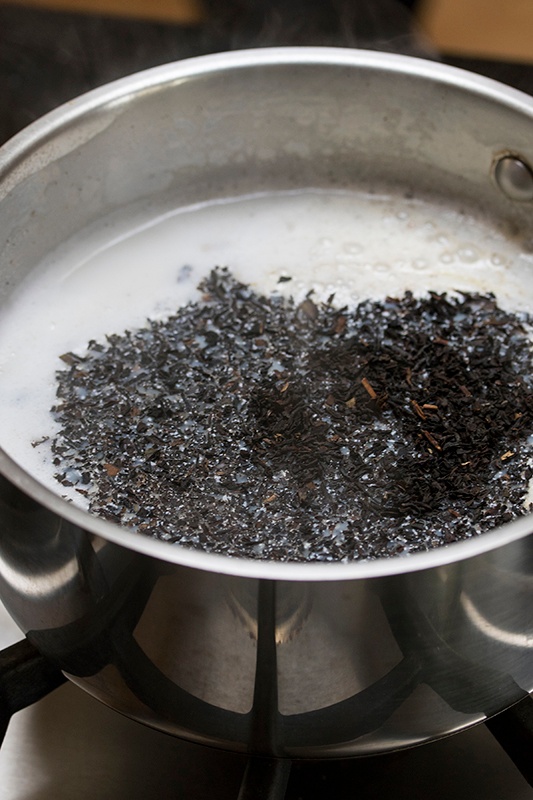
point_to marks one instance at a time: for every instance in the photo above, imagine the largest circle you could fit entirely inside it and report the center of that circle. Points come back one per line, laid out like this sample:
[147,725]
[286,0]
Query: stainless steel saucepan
[302,660]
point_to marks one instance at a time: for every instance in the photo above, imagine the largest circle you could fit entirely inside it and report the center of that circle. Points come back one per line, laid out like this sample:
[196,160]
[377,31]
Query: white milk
[353,245]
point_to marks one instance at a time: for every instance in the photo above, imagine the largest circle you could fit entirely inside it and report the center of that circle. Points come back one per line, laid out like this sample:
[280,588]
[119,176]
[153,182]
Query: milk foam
[352,246]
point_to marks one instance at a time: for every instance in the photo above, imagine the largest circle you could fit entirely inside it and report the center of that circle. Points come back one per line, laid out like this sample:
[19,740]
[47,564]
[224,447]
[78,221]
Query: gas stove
[67,745]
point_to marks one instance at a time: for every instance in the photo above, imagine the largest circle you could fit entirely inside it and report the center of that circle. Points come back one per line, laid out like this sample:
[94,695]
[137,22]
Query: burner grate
[513,729]
[26,677]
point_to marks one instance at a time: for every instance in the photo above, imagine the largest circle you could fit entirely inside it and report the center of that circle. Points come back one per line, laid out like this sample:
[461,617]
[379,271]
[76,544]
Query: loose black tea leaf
[251,426]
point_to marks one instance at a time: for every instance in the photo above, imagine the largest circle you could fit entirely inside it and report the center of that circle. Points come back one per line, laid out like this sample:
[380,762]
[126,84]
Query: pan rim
[12,158]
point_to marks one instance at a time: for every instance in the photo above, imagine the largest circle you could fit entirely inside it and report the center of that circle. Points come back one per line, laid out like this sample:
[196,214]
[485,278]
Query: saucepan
[275,658]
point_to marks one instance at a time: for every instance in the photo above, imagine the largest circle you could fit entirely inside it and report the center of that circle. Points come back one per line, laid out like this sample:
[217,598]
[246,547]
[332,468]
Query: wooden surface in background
[480,28]
[184,12]
[477,28]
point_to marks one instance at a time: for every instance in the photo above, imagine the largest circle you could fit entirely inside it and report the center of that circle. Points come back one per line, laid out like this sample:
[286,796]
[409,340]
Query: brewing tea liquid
[349,246]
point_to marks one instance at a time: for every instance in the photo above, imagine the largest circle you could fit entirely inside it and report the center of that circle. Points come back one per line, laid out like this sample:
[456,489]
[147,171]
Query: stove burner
[265,778]
[26,677]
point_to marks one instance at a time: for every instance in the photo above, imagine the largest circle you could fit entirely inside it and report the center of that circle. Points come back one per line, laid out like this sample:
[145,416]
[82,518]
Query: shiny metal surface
[69,746]
[514,177]
[288,659]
